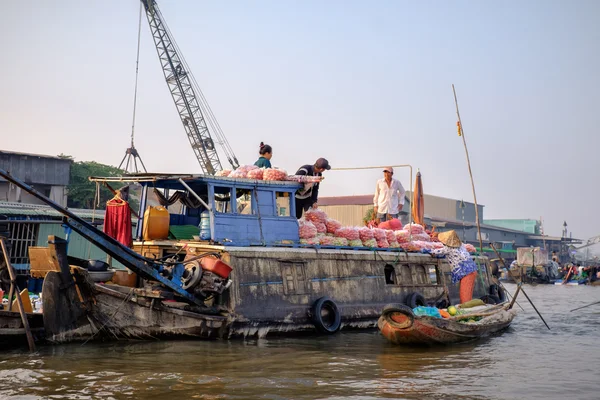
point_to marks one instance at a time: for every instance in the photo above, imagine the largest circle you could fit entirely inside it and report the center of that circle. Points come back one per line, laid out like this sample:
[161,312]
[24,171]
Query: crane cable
[137,63]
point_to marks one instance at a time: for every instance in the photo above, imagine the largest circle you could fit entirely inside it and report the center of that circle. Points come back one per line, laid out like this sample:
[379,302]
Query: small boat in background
[399,324]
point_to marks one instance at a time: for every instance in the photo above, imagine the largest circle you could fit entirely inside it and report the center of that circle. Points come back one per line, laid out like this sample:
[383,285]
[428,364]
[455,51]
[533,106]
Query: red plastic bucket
[215,266]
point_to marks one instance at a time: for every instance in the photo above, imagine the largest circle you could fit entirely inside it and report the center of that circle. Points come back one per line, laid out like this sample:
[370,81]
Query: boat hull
[431,331]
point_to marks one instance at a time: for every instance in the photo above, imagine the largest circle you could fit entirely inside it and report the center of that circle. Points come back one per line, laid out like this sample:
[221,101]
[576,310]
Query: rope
[111,317]
[137,63]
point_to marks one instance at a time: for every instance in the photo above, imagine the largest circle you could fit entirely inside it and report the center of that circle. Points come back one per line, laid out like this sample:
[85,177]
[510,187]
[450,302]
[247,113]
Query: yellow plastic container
[156,223]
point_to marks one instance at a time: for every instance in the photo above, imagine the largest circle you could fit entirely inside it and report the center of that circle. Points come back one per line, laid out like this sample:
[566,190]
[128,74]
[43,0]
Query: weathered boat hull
[122,316]
[410,329]
[12,331]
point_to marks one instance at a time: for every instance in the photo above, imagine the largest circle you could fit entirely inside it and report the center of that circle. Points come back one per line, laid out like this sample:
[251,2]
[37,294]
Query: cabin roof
[172,181]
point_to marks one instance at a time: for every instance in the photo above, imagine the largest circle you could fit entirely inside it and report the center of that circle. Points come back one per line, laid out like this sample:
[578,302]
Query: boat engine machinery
[206,276]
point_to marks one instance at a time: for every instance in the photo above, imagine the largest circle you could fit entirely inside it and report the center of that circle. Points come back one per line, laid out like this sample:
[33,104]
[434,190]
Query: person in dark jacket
[266,152]
[307,196]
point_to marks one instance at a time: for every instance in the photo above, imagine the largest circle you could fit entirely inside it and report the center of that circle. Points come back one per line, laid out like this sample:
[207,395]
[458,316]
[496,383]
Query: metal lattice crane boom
[191,104]
[590,242]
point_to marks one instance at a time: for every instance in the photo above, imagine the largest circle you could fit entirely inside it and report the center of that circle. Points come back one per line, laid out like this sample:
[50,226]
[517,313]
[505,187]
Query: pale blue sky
[361,83]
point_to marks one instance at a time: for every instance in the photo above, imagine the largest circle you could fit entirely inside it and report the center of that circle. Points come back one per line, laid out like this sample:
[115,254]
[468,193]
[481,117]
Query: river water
[527,361]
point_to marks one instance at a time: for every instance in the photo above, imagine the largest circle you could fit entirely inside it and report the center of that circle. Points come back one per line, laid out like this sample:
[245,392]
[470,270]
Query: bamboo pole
[13,285]
[462,134]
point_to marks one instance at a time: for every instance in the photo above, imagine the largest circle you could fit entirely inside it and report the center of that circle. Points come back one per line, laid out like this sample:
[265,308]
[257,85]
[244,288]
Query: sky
[359,83]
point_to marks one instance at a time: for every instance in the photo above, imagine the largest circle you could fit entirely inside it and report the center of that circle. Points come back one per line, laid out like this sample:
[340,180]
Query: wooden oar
[536,310]
[504,263]
[587,305]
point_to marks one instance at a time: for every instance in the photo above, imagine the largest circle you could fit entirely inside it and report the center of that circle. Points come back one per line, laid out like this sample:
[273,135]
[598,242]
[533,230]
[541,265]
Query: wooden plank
[41,262]
[13,285]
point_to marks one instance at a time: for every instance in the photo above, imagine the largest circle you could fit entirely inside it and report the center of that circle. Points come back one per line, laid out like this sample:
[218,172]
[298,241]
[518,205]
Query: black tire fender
[326,316]
[415,299]
[499,292]
[490,299]
[390,309]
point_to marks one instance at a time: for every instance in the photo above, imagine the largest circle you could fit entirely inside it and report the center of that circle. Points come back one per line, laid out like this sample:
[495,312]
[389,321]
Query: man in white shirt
[389,196]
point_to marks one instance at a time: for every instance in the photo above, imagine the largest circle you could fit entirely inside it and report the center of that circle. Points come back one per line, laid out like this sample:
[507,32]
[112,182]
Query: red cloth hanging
[117,221]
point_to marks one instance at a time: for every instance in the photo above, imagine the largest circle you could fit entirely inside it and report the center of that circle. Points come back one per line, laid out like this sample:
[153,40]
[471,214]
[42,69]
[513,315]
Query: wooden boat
[12,331]
[270,283]
[400,325]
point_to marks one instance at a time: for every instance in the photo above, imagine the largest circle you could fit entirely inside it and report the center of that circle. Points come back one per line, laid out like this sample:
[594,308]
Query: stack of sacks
[242,171]
[256,174]
[306,230]
[225,172]
[393,224]
[274,174]
[415,229]
[318,218]
[332,225]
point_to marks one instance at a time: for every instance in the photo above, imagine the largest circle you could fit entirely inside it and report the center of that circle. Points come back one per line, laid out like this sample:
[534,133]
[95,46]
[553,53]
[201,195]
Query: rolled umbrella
[418,202]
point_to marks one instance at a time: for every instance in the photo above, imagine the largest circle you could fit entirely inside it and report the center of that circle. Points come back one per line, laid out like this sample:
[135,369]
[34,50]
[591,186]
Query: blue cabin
[243,212]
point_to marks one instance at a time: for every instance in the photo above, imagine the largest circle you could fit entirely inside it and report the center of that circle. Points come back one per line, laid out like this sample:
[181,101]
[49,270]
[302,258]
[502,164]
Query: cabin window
[390,275]
[432,274]
[283,203]
[294,278]
[243,201]
[223,199]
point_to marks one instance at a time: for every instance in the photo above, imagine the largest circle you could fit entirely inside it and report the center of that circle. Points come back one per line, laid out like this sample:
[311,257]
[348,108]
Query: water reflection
[526,361]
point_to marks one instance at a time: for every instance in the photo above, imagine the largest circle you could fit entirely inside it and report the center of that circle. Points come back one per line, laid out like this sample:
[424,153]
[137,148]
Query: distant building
[47,174]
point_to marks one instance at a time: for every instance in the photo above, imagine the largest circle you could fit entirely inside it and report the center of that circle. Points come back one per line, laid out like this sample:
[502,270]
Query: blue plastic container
[205,225]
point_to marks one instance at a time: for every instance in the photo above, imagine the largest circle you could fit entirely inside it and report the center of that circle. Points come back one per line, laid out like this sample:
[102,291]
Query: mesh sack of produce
[355,243]
[365,234]
[470,248]
[239,173]
[410,246]
[390,235]
[383,243]
[311,241]
[225,172]
[321,227]
[423,245]
[341,232]
[353,233]
[394,244]
[379,234]
[332,225]
[395,224]
[371,243]
[384,225]
[421,236]
[304,178]
[256,173]
[437,245]
[402,236]
[306,229]
[316,215]
[414,228]
[327,240]
[274,174]
[338,241]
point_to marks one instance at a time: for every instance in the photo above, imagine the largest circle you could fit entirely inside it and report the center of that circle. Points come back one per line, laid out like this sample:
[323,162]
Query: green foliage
[368,216]
[81,191]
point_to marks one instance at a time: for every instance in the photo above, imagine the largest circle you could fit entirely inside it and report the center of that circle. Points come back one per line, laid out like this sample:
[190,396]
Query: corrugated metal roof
[35,155]
[44,212]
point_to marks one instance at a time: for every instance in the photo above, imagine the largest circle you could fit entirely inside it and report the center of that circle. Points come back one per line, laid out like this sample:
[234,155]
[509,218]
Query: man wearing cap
[389,196]
[307,196]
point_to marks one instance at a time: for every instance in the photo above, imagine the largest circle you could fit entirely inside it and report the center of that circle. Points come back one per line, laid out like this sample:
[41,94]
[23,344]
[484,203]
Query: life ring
[499,292]
[415,299]
[325,316]
[398,316]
